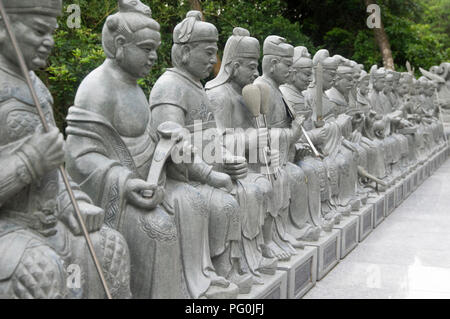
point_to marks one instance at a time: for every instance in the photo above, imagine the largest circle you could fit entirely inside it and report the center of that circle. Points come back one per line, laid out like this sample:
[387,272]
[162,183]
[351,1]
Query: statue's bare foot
[219,281]
[271,250]
[243,281]
[268,266]
[294,242]
[216,292]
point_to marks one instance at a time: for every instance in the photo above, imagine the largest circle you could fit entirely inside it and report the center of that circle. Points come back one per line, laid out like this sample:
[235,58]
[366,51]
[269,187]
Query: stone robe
[256,195]
[178,89]
[297,220]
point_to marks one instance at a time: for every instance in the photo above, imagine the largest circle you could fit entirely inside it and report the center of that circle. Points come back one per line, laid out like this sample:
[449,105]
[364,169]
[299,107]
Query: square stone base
[328,251]
[378,209]
[365,215]
[301,272]
[399,192]
[275,287]
[416,179]
[349,227]
[389,201]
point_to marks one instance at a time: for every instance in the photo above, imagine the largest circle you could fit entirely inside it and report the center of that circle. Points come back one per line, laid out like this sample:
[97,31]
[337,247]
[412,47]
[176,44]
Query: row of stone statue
[331,136]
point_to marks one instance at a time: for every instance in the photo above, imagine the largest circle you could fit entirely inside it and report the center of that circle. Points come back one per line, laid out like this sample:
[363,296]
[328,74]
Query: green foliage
[419,32]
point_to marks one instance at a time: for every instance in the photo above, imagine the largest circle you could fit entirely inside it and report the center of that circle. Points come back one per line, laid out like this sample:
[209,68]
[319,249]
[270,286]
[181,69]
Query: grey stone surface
[40,235]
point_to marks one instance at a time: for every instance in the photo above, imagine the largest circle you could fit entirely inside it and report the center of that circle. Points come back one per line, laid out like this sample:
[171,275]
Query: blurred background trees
[418,31]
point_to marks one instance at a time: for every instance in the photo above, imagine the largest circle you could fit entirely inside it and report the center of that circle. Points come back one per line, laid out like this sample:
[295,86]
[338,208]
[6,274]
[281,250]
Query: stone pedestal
[328,251]
[275,287]
[389,201]
[365,215]
[407,186]
[349,228]
[378,209]
[416,179]
[301,272]
[399,192]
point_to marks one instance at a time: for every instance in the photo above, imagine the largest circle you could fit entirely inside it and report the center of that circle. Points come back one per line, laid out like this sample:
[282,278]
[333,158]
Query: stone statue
[179,96]
[327,134]
[112,149]
[341,99]
[294,222]
[240,68]
[40,236]
[313,167]
[375,158]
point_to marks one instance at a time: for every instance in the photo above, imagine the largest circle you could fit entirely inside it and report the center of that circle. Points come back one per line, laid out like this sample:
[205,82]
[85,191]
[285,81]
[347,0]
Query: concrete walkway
[406,256]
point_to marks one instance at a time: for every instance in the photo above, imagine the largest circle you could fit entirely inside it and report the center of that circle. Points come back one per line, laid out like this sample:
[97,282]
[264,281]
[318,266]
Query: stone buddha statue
[295,221]
[40,236]
[179,96]
[113,146]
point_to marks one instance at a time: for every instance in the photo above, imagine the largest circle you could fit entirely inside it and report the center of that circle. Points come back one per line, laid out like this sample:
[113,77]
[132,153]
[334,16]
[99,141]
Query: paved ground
[406,256]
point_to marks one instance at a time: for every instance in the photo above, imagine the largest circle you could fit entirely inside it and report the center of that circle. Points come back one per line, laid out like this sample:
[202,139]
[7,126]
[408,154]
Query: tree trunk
[196,5]
[383,42]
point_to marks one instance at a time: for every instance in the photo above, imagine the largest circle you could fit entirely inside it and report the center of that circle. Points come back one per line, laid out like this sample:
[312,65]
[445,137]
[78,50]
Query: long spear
[62,170]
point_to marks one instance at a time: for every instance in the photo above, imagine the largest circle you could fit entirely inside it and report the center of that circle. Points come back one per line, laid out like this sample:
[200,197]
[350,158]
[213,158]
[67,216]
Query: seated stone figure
[294,222]
[327,135]
[39,234]
[240,68]
[315,171]
[375,159]
[179,96]
[111,149]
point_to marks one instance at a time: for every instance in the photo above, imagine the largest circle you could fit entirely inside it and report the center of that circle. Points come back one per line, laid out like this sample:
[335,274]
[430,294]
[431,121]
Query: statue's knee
[40,274]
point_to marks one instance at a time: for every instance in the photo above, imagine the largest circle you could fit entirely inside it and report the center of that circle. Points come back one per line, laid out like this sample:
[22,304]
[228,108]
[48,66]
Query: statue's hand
[220,180]
[93,218]
[45,150]
[143,195]
[297,126]
[236,167]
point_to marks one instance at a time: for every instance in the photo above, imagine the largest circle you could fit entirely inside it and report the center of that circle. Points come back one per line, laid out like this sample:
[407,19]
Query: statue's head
[195,46]
[302,69]
[278,58]
[404,84]
[378,78]
[344,76]
[329,66]
[389,82]
[239,61]
[363,82]
[33,23]
[418,86]
[131,39]
[427,87]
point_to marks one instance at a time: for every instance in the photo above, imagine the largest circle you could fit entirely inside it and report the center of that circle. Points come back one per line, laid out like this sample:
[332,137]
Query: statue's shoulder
[98,92]
[15,87]
[291,94]
[171,88]
[220,97]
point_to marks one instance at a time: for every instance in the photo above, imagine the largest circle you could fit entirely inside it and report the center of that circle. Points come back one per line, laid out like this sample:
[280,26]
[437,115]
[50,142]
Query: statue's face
[140,54]
[34,34]
[364,86]
[201,58]
[282,70]
[245,71]
[301,78]
[403,89]
[388,86]
[379,84]
[328,78]
[430,89]
[344,83]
